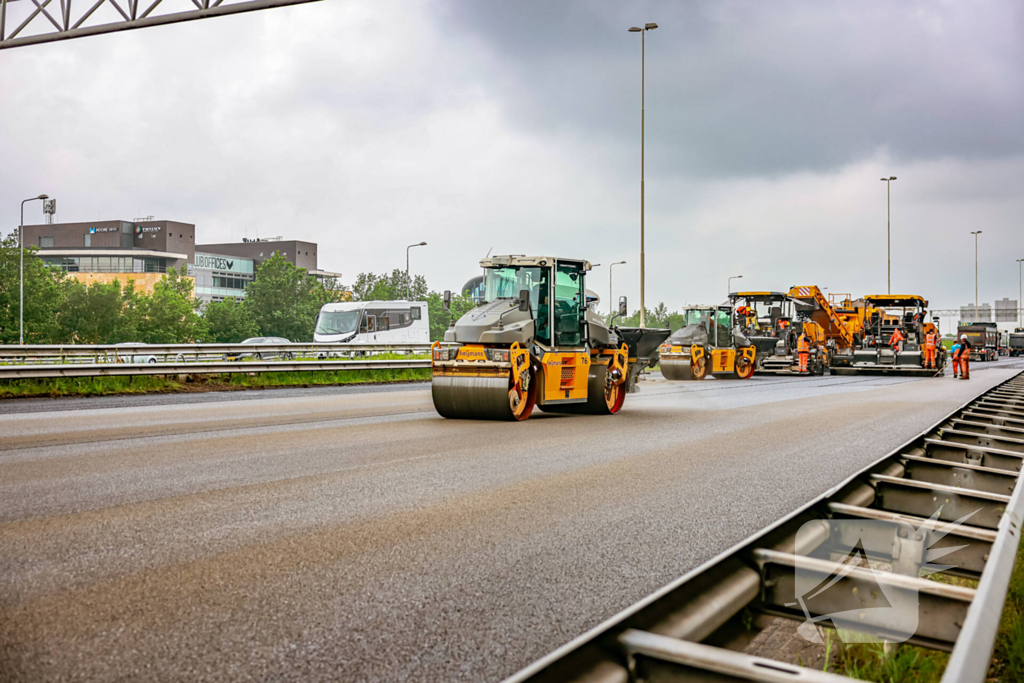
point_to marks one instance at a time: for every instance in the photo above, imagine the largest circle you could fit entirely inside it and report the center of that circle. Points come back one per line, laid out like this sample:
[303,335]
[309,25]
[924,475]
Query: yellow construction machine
[876,318]
[535,340]
[709,342]
[773,322]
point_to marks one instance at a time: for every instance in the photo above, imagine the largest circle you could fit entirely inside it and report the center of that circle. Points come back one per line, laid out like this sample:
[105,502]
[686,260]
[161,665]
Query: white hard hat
[963,336]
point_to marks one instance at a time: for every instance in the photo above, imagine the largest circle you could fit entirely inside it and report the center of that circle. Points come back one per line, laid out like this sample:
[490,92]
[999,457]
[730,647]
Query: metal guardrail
[200,368]
[905,510]
[16,351]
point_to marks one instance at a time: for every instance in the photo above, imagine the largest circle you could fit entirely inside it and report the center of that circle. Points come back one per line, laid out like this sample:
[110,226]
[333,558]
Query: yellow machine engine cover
[565,377]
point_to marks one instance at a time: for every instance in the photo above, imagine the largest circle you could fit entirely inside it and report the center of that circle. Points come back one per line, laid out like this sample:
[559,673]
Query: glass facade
[107,264]
[220,277]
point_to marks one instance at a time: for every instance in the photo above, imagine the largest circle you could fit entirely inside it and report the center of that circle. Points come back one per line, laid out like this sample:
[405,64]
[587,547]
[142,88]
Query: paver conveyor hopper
[534,341]
[873,351]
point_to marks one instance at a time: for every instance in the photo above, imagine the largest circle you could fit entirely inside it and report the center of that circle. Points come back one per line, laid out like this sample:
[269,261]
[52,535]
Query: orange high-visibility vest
[929,341]
[803,344]
[896,337]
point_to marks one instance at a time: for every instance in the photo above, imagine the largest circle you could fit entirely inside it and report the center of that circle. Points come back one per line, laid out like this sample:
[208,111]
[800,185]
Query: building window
[88,240]
[46,243]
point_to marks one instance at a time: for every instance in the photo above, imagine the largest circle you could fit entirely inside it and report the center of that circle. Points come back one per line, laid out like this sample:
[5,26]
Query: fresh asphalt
[352,534]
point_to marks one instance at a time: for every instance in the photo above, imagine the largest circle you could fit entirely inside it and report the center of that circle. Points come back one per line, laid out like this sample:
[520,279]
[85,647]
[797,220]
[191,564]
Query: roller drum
[674,369]
[472,398]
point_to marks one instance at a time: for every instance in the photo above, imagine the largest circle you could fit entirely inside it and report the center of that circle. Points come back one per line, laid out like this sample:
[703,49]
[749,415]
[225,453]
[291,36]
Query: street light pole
[1020,292]
[408,282]
[888,231]
[976,233]
[611,311]
[643,95]
[729,283]
[21,269]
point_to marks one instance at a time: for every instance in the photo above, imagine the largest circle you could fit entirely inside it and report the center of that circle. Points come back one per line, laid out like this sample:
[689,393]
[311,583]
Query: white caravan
[373,322]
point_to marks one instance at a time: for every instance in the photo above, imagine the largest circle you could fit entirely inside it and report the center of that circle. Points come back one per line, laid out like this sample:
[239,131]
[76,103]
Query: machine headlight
[443,354]
[497,355]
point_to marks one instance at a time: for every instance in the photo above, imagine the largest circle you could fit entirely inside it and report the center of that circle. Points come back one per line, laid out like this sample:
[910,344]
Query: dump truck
[534,340]
[773,322]
[1016,342]
[709,342]
[877,317]
[984,338]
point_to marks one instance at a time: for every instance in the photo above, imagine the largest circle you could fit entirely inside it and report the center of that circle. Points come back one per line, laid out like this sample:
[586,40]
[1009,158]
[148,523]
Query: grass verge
[141,384]
[910,664]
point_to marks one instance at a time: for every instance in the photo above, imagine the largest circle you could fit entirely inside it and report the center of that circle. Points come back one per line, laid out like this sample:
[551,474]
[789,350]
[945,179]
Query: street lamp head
[635,29]
[43,196]
[651,26]
[422,244]
[892,177]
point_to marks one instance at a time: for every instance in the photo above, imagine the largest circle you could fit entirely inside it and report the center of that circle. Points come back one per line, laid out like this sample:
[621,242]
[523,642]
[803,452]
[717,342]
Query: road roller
[709,342]
[875,351]
[535,340]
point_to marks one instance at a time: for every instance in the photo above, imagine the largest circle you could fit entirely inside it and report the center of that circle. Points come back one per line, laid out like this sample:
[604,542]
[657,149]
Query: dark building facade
[115,246]
[299,254]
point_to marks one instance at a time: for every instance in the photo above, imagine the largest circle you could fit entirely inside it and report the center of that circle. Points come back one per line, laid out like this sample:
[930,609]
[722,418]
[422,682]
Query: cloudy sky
[515,126]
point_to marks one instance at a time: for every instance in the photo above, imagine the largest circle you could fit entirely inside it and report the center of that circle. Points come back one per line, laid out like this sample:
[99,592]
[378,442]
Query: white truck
[373,322]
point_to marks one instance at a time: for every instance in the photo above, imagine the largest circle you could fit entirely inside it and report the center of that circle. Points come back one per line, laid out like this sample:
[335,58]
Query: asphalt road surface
[352,534]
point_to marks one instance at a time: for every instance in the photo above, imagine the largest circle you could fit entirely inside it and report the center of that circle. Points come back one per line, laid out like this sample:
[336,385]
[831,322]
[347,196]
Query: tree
[228,322]
[170,315]
[44,292]
[440,318]
[373,287]
[283,300]
[101,313]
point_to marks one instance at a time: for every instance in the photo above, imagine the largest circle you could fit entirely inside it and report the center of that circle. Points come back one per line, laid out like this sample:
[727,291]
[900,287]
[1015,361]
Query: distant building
[299,254]
[1006,310]
[142,251]
[968,315]
[103,251]
[221,277]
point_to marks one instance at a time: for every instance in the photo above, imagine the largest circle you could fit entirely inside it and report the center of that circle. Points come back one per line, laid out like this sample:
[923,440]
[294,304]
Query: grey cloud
[748,88]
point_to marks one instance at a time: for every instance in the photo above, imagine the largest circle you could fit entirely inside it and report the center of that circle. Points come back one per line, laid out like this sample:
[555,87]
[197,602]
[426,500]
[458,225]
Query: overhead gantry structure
[46,21]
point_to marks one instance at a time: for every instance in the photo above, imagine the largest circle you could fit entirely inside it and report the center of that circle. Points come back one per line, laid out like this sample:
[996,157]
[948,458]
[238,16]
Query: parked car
[133,357]
[141,357]
[261,355]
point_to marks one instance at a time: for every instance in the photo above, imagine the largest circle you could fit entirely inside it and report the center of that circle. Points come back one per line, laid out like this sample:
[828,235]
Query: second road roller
[535,341]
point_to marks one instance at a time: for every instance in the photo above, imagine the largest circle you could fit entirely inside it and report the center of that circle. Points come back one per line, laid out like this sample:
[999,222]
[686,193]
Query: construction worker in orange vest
[955,355]
[930,341]
[803,350]
[895,339]
[965,357]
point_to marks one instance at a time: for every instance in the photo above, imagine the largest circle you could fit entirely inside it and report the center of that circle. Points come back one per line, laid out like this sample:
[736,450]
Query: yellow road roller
[709,342]
[535,340]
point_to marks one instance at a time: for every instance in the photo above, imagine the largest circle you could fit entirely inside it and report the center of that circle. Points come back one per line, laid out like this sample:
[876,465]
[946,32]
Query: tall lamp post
[1020,292]
[729,286]
[888,231]
[976,233]
[611,310]
[643,92]
[408,282]
[21,256]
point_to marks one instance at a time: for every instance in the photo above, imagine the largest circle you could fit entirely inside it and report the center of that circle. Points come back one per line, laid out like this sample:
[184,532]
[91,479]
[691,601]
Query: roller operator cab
[709,342]
[773,322]
[875,349]
[533,341]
